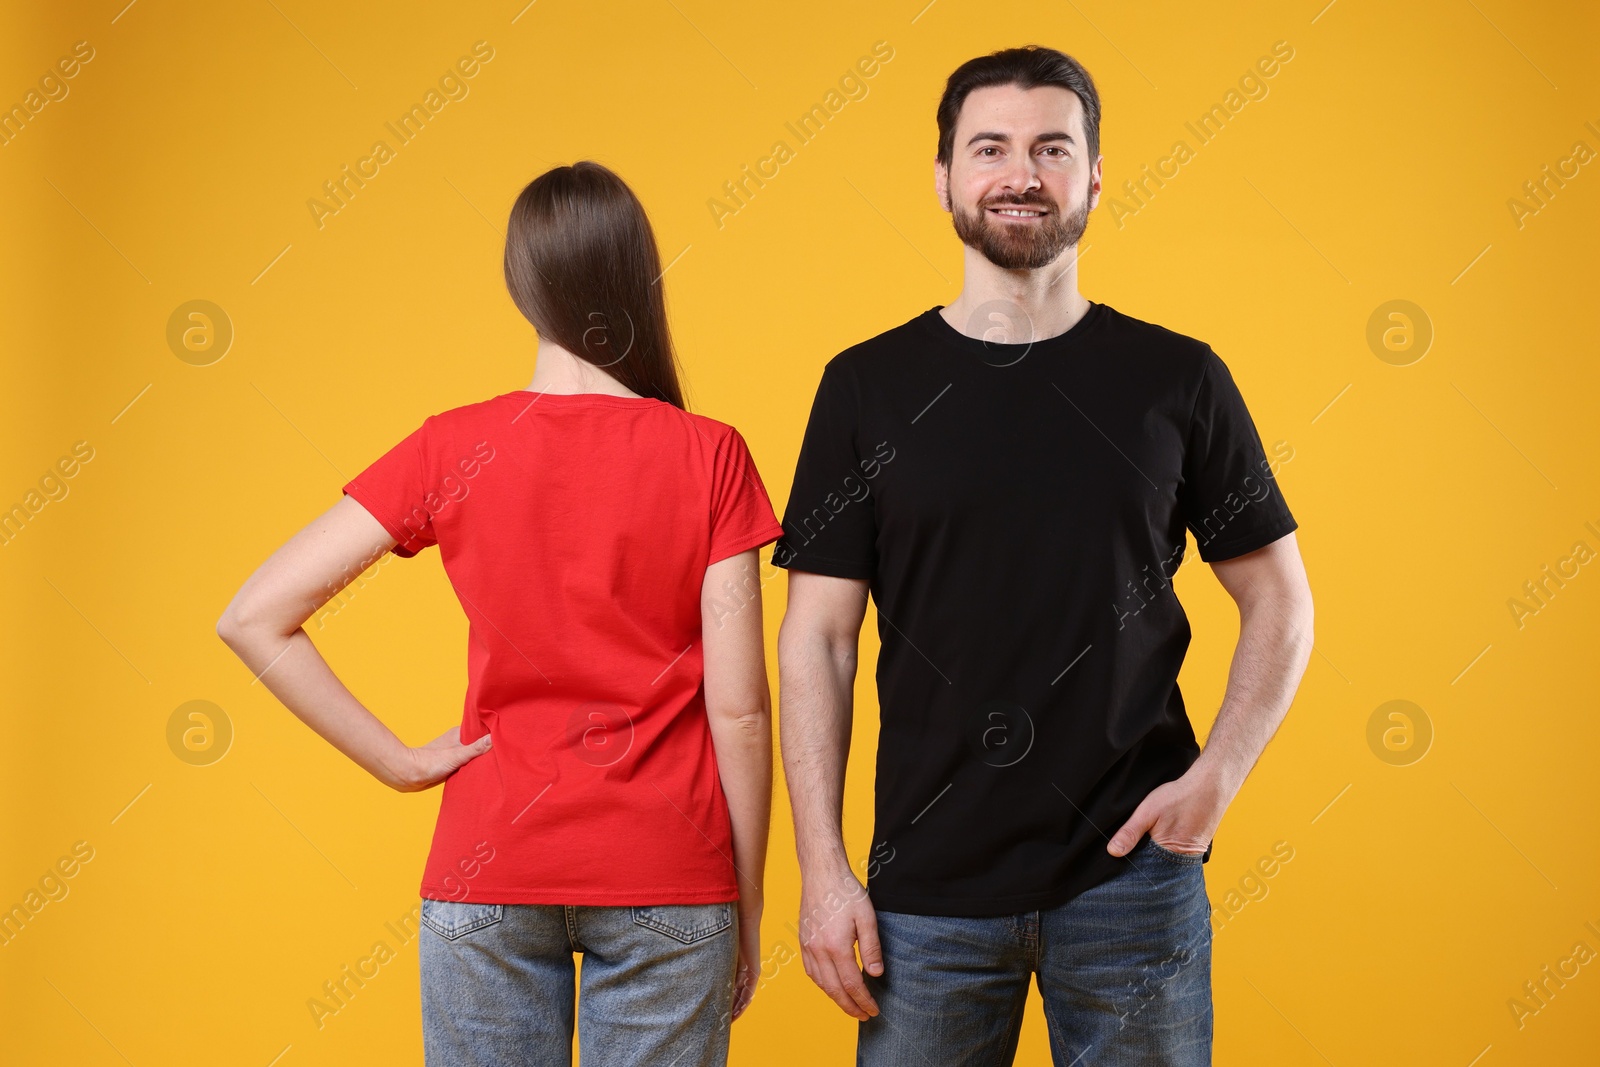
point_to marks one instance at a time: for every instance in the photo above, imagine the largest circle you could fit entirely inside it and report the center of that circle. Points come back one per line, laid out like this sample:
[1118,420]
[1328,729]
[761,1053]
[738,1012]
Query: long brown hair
[582,266]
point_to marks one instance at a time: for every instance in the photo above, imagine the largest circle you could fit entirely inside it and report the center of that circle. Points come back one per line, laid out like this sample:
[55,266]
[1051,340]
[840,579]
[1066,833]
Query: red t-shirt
[576,530]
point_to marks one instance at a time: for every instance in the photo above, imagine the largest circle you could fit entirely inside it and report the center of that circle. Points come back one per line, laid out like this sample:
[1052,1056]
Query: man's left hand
[1180,816]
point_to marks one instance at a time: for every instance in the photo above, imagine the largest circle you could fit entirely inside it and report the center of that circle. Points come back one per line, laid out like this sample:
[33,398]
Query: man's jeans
[497,984]
[1124,970]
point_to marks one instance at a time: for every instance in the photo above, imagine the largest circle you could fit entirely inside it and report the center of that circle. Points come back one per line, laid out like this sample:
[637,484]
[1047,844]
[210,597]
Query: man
[1011,477]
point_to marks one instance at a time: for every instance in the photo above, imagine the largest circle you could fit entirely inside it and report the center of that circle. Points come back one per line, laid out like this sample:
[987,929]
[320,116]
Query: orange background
[1380,164]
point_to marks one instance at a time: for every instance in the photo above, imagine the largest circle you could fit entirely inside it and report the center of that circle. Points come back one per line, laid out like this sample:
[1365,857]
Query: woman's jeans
[497,984]
[1124,970]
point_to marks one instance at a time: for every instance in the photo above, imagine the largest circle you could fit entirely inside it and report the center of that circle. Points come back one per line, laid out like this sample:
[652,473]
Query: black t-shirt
[1019,511]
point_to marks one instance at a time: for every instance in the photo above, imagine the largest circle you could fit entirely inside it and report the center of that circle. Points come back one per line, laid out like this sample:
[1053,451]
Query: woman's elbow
[748,715]
[239,620]
[230,626]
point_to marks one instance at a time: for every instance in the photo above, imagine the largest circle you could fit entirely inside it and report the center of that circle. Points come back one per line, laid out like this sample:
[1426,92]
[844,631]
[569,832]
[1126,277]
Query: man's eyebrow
[1005,138]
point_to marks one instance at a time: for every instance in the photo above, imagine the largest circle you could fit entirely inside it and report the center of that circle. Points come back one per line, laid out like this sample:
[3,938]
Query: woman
[608,789]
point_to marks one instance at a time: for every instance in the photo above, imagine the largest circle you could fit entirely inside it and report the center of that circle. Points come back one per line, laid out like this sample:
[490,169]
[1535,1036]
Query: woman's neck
[558,371]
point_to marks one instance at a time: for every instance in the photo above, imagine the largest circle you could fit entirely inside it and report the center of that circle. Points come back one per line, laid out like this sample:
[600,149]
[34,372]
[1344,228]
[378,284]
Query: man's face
[1020,183]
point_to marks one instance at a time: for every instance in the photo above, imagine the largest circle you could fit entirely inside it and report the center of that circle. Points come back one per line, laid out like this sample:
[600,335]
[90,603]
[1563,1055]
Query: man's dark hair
[1028,67]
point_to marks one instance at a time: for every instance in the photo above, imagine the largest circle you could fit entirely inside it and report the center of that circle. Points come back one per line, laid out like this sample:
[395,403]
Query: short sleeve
[829,524]
[741,514]
[394,490]
[1229,496]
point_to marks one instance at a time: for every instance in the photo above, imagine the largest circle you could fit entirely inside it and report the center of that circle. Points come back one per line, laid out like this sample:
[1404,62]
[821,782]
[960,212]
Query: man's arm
[816,682]
[1275,618]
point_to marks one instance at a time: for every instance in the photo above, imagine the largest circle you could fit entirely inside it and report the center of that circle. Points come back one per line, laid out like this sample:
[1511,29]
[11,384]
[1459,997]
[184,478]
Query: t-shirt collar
[1005,354]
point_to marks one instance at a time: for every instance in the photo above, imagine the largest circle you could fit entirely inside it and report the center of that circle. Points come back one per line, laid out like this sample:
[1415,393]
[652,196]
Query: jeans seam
[453,932]
[570,915]
[678,933]
[1038,946]
[1187,859]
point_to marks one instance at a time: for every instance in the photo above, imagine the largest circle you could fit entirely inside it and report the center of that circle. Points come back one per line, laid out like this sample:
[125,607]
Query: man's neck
[1029,305]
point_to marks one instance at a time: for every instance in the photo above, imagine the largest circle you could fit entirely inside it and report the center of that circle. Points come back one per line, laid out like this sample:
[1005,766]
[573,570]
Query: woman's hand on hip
[427,766]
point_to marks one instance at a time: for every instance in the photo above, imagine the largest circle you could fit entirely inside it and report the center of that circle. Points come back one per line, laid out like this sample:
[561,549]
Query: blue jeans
[656,985]
[1124,970]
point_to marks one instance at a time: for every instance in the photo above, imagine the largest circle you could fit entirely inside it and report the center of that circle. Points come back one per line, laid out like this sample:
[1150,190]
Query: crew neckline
[1005,354]
[570,399]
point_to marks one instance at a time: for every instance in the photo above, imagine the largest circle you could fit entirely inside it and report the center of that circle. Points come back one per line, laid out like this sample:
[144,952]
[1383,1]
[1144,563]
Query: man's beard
[1021,247]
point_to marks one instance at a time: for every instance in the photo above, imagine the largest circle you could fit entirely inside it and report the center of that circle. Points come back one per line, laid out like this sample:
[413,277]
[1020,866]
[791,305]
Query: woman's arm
[263,625]
[739,706]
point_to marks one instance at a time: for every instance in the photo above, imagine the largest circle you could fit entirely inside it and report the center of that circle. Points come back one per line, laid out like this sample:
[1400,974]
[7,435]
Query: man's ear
[941,184]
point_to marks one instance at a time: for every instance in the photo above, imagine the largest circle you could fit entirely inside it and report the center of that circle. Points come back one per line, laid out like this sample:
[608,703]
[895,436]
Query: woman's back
[614,759]
[576,530]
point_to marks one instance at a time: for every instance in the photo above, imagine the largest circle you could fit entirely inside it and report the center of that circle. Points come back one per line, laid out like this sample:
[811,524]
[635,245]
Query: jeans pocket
[451,919]
[687,923]
[1193,859]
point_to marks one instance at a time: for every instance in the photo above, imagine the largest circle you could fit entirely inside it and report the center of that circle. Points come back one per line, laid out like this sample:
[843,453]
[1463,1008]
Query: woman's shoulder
[480,410]
[723,436]
[706,424]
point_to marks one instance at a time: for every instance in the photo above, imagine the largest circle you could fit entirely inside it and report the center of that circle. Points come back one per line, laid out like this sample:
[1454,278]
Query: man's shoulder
[881,350]
[1156,356]
[1153,336]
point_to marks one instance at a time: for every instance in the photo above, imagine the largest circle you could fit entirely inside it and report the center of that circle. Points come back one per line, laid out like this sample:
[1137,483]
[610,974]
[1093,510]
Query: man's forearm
[816,682]
[1268,662]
